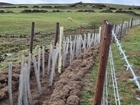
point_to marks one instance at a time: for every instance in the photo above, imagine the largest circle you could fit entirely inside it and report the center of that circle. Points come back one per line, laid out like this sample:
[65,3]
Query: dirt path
[66,88]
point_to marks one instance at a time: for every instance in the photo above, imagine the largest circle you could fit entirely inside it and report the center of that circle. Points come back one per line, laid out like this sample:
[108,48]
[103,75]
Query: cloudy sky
[129,2]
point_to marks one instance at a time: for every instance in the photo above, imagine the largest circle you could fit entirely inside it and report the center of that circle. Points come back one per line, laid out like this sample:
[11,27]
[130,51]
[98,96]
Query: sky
[126,2]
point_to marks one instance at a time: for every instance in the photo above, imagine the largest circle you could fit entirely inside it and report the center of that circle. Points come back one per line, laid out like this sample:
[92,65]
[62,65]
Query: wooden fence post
[32,37]
[104,50]
[100,30]
[94,29]
[80,30]
[56,33]
[121,32]
[131,24]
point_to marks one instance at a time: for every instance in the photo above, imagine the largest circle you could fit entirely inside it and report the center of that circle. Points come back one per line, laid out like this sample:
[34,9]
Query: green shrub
[23,7]
[106,11]
[9,12]
[56,11]
[34,11]
[112,8]
[85,11]
[99,6]
[26,11]
[80,11]
[59,7]
[89,11]
[46,6]
[68,11]
[36,6]
[2,11]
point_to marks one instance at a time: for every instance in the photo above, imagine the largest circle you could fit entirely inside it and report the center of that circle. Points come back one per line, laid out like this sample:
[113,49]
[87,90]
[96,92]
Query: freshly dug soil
[67,85]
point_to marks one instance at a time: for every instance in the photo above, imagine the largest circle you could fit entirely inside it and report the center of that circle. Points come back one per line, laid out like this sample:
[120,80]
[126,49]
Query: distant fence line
[110,81]
[121,29]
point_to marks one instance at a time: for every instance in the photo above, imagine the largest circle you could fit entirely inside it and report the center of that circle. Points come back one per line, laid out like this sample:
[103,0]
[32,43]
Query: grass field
[17,24]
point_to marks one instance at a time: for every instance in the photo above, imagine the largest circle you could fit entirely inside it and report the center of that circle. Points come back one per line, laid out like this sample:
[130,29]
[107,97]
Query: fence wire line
[105,90]
[128,65]
[122,27]
[110,72]
[114,80]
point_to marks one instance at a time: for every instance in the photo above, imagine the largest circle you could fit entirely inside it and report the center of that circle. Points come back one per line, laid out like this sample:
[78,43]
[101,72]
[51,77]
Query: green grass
[16,24]
[127,89]
[88,91]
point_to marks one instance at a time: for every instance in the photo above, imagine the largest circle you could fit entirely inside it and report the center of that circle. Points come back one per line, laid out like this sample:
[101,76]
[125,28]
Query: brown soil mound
[66,88]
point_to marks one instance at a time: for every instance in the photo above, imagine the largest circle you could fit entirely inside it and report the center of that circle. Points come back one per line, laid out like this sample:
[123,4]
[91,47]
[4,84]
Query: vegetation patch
[36,6]
[61,7]
[130,12]
[99,6]
[137,7]
[46,6]
[34,11]
[85,11]
[56,11]
[22,6]
[112,8]
[2,11]
[106,11]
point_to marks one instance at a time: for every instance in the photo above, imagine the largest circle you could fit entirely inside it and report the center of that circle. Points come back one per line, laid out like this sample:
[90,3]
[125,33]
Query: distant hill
[4,3]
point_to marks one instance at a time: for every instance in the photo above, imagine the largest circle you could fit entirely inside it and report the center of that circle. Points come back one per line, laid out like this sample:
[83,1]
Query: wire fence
[128,65]
[117,33]
[111,80]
